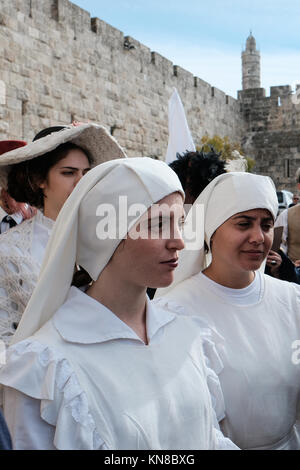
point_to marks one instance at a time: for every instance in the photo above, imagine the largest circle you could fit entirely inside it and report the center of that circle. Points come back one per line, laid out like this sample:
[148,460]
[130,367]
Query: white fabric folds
[75,239]
[180,138]
[226,195]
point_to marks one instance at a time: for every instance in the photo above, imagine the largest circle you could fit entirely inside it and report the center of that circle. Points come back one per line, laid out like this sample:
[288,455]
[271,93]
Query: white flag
[180,138]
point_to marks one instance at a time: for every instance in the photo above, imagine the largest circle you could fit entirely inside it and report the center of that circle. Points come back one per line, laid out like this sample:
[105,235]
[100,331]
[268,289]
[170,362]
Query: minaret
[251,64]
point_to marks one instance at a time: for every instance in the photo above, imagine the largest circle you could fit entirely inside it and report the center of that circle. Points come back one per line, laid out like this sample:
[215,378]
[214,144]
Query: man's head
[196,170]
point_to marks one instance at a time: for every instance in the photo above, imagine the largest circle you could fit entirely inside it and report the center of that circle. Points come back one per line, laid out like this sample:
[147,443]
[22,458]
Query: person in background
[295,200]
[255,318]
[5,439]
[12,212]
[196,170]
[100,367]
[43,174]
[289,219]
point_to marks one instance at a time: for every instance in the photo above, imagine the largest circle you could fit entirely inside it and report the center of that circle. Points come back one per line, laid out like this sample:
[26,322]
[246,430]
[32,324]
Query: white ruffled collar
[81,319]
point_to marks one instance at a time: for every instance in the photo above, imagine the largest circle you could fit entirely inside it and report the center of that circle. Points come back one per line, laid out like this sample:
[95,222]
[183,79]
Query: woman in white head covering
[255,318]
[43,174]
[103,368]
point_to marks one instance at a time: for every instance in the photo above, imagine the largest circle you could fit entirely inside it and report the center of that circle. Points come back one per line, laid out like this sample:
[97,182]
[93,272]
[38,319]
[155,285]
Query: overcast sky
[206,37]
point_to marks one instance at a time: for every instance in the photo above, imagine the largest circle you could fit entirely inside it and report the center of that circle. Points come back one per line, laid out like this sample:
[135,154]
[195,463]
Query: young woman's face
[62,179]
[243,241]
[149,255]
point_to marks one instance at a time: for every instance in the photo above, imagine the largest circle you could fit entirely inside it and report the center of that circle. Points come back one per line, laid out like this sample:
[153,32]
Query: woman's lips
[254,254]
[173,263]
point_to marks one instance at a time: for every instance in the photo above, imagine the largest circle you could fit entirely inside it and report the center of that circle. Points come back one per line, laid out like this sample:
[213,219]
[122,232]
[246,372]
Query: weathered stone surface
[58,64]
[66,65]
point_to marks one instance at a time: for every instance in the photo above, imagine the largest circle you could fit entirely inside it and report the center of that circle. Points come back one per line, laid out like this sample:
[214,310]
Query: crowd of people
[122,333]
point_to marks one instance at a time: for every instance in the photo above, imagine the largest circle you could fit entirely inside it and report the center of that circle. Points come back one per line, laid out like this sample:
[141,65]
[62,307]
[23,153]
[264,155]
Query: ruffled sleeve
[224,443]
[35,370]
[214,364]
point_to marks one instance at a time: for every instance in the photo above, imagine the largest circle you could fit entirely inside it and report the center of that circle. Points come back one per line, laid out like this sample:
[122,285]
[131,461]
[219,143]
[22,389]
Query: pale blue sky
[206,37]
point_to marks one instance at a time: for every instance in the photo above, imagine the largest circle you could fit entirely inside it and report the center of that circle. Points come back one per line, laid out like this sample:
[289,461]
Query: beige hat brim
[91,137]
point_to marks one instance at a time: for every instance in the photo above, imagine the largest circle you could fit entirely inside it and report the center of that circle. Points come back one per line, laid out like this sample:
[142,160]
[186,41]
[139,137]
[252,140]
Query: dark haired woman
[43,174]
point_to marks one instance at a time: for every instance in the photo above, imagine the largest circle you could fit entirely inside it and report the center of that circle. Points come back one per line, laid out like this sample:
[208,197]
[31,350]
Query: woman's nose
[256,235]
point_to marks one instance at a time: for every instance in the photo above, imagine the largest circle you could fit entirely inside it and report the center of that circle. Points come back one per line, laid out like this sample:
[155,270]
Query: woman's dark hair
[197,169]
[24,178]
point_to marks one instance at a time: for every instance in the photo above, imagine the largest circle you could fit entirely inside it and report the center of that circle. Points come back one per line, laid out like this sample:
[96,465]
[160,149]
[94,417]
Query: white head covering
[225,196]
[74,240]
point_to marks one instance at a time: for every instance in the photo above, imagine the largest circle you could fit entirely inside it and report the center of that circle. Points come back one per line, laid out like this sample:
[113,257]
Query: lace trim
[60,393]
[45,221]
[18,276]
[18,272]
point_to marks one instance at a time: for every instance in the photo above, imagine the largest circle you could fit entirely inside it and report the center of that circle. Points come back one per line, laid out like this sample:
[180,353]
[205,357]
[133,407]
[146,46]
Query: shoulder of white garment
[37,371]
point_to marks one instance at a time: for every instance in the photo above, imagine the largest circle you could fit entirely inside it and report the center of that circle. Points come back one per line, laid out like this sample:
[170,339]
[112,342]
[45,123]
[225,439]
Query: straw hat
[91,137]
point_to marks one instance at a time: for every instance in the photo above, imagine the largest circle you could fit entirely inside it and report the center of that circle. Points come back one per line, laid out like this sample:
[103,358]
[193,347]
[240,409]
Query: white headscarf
[73,240]
[225,196]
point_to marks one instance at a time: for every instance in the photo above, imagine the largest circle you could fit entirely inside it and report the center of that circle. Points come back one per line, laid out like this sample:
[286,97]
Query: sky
[206,37]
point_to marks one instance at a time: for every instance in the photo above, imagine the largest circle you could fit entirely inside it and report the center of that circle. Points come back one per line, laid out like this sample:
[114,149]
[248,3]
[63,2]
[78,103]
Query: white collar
[16,216]
[81,319]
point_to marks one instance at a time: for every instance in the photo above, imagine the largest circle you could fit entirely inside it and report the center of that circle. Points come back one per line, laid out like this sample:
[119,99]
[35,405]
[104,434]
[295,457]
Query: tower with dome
[250,64]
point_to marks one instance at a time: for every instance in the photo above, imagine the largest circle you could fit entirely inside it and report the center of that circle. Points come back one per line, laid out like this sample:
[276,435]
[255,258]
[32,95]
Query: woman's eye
[68,173]
[156,226]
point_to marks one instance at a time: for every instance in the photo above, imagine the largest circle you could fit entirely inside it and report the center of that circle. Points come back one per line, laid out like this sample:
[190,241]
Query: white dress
[85,380]
[22,250]
[260,380]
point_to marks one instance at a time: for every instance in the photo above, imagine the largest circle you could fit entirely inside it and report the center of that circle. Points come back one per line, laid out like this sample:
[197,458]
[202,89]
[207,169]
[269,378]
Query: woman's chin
[253,265]
[165,282]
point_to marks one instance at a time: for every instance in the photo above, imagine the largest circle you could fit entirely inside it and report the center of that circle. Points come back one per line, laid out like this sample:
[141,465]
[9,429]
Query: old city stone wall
[273,132]
[58,64]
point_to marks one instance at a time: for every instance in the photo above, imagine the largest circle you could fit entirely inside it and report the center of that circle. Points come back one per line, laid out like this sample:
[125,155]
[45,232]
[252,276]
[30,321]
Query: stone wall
[58,64]
[273,132]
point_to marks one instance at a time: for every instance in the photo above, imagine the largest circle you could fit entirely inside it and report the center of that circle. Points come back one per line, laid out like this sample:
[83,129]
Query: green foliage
[226,148]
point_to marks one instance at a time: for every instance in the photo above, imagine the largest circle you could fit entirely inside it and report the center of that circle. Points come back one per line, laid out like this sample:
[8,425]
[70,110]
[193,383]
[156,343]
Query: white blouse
[22,250]
[87,381]
[260,381]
